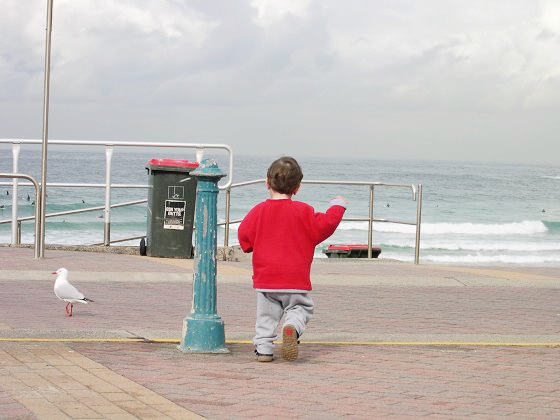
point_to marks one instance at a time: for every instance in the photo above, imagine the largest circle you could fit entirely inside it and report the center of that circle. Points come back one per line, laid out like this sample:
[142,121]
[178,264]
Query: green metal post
[203,329]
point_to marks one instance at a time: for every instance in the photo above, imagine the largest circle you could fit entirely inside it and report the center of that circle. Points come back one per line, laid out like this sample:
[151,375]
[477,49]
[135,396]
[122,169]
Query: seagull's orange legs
[69,313]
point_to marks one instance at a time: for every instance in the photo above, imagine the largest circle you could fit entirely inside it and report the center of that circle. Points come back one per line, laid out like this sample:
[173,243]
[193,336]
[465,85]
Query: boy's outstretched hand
[338,201]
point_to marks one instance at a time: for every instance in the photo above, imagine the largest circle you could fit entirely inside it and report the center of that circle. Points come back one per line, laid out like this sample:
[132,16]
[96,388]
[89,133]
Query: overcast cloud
[436,79]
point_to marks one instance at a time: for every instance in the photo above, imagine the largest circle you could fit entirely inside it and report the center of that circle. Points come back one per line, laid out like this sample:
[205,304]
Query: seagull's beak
[54,272]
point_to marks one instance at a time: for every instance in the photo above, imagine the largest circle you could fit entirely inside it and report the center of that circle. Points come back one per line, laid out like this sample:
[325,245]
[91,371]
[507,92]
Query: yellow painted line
[327,343]
[68,340]
[436,343]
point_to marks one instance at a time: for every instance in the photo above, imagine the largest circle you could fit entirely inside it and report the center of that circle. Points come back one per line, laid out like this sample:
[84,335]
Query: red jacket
[282,234]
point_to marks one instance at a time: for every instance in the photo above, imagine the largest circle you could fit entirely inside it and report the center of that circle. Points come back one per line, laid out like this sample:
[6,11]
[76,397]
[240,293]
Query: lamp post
[43,202]
[203,329]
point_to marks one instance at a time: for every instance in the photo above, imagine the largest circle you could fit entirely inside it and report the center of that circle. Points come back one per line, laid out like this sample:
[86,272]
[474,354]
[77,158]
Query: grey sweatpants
[298,308]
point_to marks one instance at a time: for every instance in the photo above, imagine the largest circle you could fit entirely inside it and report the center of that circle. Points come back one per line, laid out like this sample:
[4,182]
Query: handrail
[416,195]
[228,186]
[199,146]
[109,145]
[80,185]
[84,210]
[37,200]
[413,187]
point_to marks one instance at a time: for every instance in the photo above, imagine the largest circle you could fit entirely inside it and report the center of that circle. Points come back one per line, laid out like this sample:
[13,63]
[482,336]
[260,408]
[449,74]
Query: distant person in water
[28,198]
[282,235]
[543,211]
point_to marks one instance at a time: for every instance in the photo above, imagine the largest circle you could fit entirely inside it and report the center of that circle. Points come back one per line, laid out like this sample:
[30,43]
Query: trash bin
[171,200]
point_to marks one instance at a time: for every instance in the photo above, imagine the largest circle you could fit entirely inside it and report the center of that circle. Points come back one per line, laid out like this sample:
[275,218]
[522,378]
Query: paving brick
[117,396]
[75,409]
[42,408]
[120,416]
[106,408]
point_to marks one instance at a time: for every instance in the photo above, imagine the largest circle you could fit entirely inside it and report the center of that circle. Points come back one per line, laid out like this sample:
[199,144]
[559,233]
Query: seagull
[66,292]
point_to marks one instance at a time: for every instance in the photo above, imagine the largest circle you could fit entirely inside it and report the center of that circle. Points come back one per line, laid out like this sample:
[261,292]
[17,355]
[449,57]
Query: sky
[395,79]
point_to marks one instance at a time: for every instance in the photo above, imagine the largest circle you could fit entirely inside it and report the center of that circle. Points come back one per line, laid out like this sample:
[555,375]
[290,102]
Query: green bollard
[203,329]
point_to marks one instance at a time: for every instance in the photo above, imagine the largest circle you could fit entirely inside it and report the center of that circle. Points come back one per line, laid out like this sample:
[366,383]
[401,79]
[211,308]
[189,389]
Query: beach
[387,338]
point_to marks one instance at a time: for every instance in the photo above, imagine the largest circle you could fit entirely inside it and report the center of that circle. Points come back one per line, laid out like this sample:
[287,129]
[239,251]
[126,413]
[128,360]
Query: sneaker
[263,357]
[290,343]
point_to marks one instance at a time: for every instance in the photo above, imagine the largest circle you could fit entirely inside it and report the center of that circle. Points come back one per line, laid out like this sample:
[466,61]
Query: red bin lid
[173,162]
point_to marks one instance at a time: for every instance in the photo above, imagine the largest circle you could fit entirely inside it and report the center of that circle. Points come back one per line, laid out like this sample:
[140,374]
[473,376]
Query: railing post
[370,222]
[418,223]
[199,155]
[203,330]
[38,245]
[107,210]
[226,225]
[15,163]
[18,235]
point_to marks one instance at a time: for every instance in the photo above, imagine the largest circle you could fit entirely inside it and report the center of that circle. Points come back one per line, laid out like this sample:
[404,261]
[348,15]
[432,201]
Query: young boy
[282,234]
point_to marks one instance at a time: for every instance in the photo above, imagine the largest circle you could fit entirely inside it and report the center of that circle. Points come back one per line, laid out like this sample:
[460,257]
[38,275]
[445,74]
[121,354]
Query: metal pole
[370,222]
[199,155]
[203,329]
[37,218]
[18,233]
[107,210]
[43,202]
[226,225]
[418,222]
[15,155]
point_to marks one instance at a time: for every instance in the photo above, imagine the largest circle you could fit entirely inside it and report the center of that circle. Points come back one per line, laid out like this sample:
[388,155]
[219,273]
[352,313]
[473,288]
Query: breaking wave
[493,259]
[526,227]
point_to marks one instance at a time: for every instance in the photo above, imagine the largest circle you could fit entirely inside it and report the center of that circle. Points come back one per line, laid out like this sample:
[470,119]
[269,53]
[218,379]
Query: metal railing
[84,210]
[228,186]
[16,144]
[416,195]
[16,230]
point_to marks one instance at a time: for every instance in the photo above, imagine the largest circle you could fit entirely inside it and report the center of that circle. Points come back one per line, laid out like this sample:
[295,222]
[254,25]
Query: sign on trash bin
[174,216]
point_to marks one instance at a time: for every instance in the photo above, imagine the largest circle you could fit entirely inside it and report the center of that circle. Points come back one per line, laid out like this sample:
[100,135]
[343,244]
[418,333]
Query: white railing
[416,195]
[15,177]
[416,190]
[16,145]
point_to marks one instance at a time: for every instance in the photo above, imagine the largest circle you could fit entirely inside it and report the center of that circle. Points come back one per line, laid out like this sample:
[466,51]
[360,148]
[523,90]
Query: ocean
[485,214]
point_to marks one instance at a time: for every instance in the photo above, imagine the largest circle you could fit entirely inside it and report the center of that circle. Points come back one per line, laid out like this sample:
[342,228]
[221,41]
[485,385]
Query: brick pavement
[54,381]
[123,309]
[113,380]
[358,301]
[335,381]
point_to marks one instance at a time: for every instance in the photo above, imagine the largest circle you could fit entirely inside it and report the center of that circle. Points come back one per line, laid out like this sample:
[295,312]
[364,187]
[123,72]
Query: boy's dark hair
[284,175]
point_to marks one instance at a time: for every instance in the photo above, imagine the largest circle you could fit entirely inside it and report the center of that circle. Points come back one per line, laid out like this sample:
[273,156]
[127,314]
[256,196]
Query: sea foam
[475,245]
[493,259]
[526,227]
